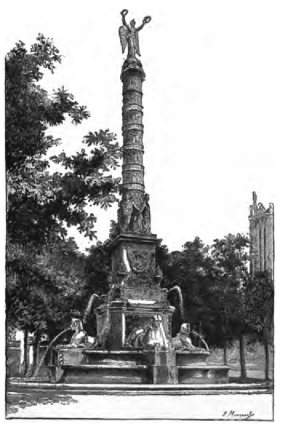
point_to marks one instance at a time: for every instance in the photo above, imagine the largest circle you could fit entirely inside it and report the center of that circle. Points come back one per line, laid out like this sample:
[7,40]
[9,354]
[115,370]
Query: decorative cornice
[135,167]
[136,186]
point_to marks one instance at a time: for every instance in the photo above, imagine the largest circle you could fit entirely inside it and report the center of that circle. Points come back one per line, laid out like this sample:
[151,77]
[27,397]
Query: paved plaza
[225,407]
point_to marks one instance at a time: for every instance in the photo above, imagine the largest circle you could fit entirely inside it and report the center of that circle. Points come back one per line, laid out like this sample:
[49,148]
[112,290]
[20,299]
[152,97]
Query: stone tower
[261,237]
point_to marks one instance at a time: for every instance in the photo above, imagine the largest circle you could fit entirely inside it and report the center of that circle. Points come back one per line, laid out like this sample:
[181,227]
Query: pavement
[148,407]
[232,401]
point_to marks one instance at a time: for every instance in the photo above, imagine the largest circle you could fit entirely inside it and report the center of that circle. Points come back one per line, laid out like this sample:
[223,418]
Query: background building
[261,237]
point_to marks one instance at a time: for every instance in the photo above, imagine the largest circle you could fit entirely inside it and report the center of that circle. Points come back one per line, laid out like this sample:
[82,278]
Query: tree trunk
[266,350]
[225,354]
[35,354]
[243,374]
[25,351]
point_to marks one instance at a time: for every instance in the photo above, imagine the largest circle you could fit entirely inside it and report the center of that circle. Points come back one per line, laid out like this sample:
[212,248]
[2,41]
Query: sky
[211,101]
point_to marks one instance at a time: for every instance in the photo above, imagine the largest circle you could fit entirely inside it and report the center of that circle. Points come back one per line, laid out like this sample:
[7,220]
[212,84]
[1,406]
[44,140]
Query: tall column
[135,295]
[132,112]
[133,199]
[134,210]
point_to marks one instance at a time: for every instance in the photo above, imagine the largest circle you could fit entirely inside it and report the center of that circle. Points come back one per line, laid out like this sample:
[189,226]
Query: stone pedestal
[135,295]
[124,316]
[116,335]
[162,367]
[134,269]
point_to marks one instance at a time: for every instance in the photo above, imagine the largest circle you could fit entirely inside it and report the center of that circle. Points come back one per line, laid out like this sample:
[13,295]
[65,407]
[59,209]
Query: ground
[228,407]
[255,405]
[255,361]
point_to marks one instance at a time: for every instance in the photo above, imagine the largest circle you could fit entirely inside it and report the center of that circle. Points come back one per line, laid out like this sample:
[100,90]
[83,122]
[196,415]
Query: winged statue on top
[129,35]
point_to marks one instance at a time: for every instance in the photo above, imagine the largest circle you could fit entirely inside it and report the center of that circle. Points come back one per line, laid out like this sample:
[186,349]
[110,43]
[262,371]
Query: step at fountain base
[115,374]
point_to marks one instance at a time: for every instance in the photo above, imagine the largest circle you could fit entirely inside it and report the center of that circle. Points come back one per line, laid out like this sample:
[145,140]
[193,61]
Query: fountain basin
[191,357]
[203,374]
[81,365]
[130,365]
[93,365]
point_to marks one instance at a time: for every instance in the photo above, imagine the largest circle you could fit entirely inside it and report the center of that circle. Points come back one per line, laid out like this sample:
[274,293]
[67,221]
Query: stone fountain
[134,343]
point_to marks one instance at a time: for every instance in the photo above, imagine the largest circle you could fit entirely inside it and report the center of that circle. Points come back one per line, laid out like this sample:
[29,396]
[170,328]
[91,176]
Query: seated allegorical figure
[155,334]
[182,341]
[149,336]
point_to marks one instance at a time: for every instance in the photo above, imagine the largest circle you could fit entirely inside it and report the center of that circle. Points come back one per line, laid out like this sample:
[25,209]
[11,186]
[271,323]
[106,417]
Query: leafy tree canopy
[45,270]
[259,305]
[40,202]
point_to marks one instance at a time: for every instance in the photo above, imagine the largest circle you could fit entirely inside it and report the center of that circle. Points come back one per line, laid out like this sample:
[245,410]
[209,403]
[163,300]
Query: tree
[211,280]
[97,270]
[42,288]
[41,203]
[231,263]
[259,309]
[41,276]
[190,269]
[162,260]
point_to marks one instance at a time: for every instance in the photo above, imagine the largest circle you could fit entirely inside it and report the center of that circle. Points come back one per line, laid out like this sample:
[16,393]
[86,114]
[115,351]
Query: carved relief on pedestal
[140,283]
[121,270]
[141,260]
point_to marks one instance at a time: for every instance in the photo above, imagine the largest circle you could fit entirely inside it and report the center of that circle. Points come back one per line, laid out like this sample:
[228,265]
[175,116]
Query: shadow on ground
[14,401]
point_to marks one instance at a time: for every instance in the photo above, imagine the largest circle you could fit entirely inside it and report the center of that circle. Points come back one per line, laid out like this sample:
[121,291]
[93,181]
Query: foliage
[45,271]
[230,276]
[211,280]
[114,230]
[190,269]
[162,258]
[40,202]
[259,305]
[42,287]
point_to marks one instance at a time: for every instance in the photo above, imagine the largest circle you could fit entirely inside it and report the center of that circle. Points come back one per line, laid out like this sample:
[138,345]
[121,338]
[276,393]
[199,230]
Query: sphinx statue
[80,338]
[182,341]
